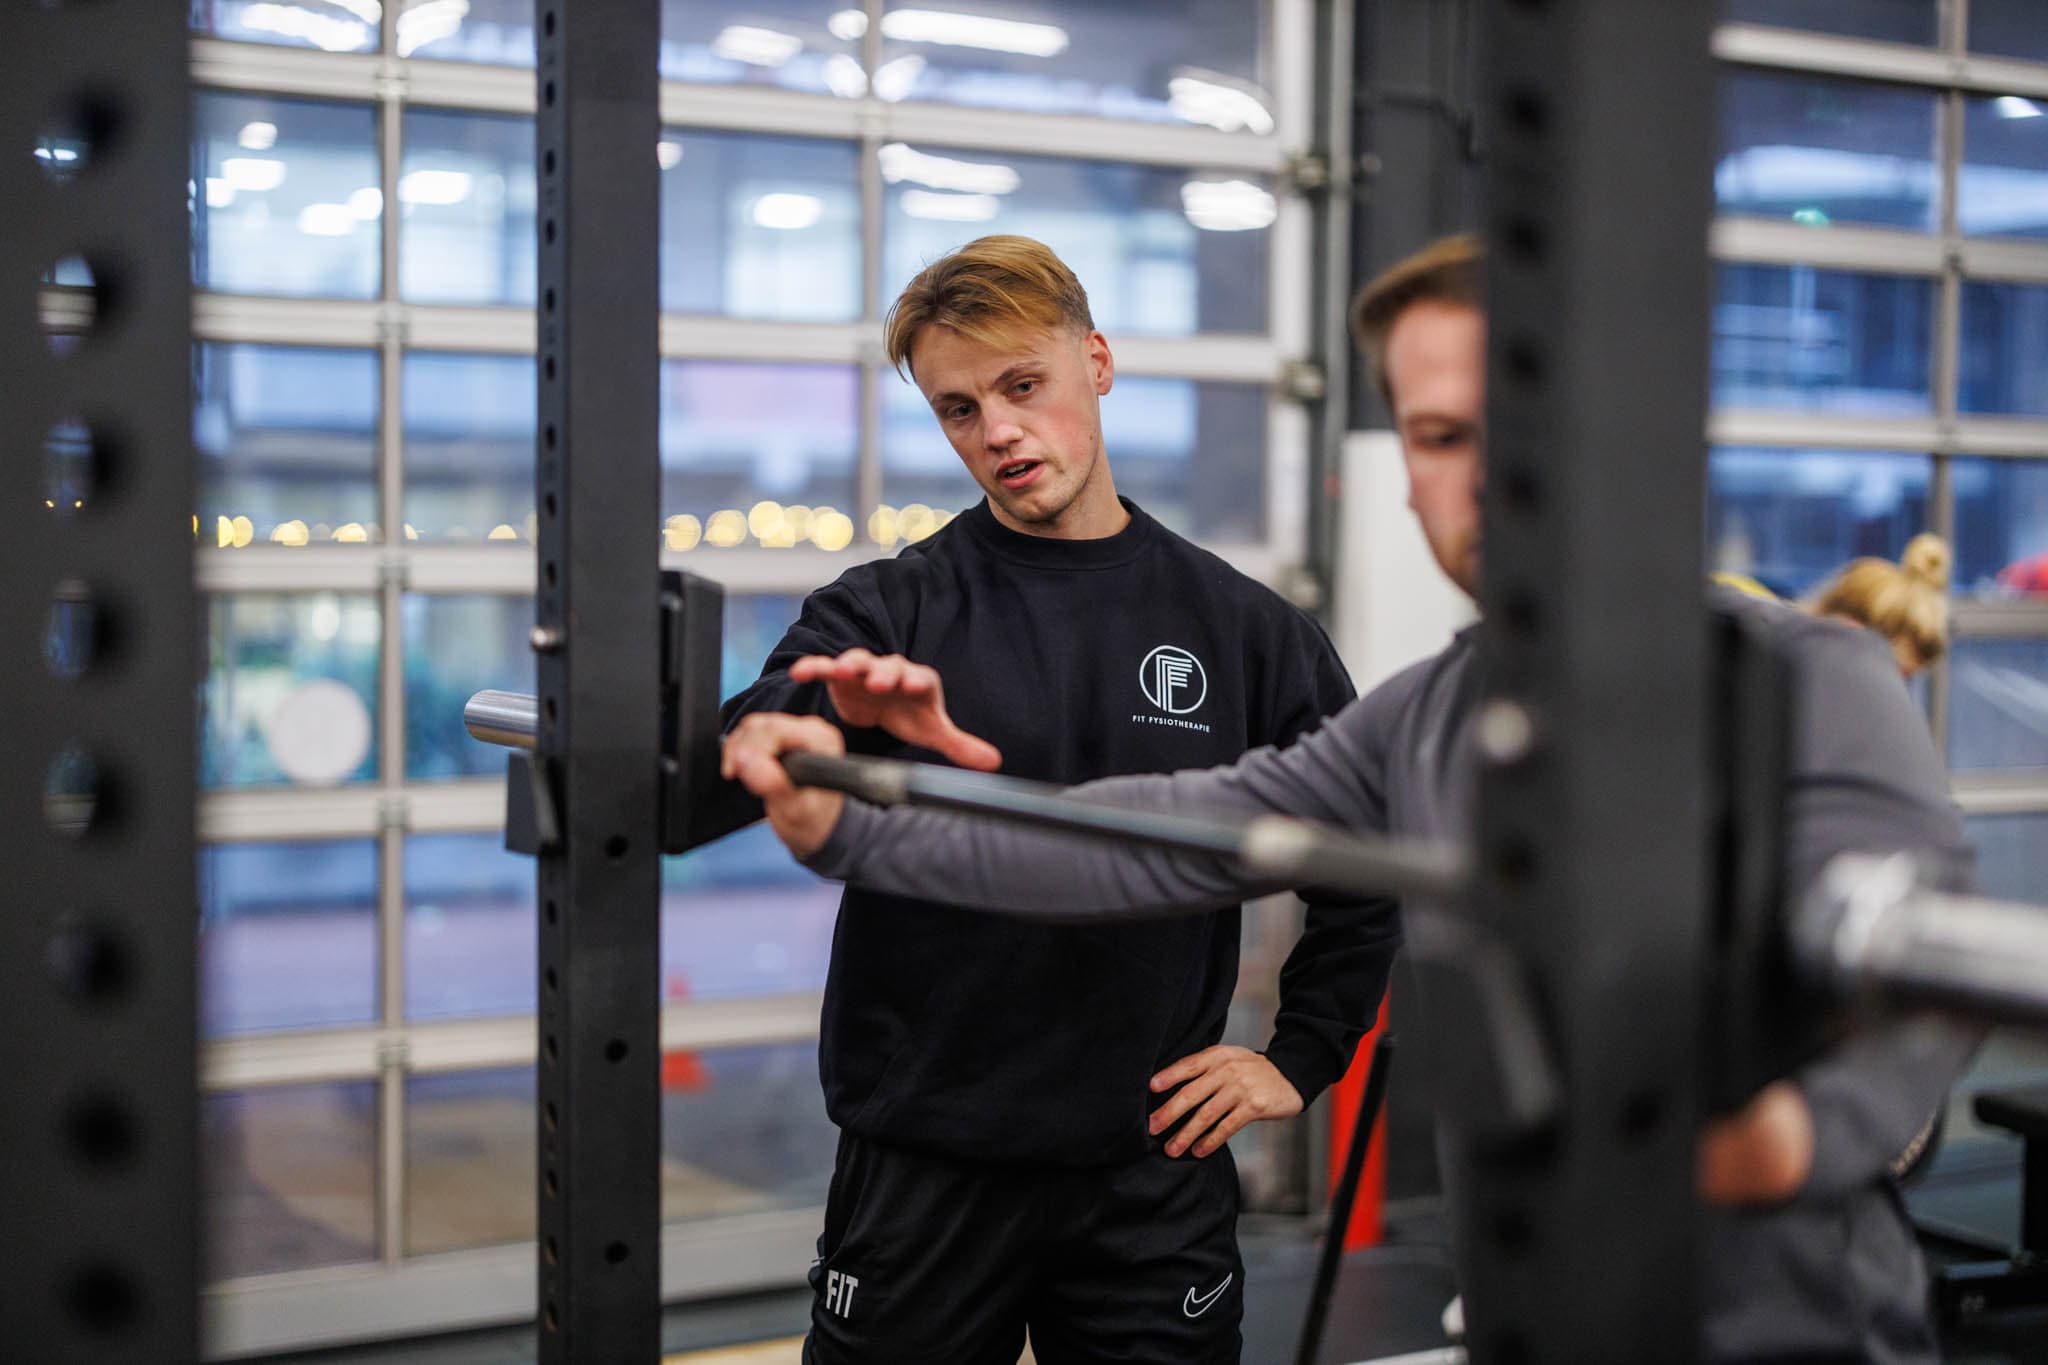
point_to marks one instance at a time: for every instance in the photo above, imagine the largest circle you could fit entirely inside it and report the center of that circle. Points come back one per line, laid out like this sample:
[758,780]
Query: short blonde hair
[1907,601]
[1448,270]
[998,290]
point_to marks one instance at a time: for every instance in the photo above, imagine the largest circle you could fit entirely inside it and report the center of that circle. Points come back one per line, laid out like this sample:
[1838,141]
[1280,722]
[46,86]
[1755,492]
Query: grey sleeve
[1330,775]
[1867,778]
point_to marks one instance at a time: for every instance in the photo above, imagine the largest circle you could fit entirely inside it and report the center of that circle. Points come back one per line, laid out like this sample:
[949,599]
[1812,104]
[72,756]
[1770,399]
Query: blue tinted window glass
[754,226]
[1797,337]
[743,1130]
[1998,706]
[291,690]
[739,917]
[285,198]
[741,435]
[1161,252]
[466,200]
[469,447]
[2008,28]
[754,624]
[2010,855]
[2005,349]
[788,44]
[325,25]
[290,1178]
[456,646]
[2002,185]
[469,927]
[287,935]
[1789,518]
[1198,61]
[2001,527]
[469,1159]
[287,437]
[1821,151]
[1897,21]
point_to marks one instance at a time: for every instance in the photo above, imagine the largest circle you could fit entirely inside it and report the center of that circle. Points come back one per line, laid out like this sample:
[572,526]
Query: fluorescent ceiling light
[258,136]
[430,23]
[894,80]
[367,204]
[1219,102]
[901,162]
[945,28]
[787,212]
[1228,205]
[369,11]
[440,188]
[255,174]
[2012,106]
[669,154]
[848,25]
[219,193]
[327,220]
[756,46]
[57,155]
[321,30]
[844,77]
[951,208]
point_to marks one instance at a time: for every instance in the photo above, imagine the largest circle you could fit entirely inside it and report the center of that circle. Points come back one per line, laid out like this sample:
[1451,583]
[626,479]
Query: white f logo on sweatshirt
[1172,680]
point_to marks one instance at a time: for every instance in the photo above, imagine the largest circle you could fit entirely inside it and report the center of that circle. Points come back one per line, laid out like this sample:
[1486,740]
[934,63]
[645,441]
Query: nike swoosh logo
[1194,1307]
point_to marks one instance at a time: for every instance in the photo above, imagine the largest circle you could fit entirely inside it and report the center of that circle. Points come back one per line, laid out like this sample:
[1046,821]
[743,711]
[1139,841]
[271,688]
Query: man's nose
[1000,426]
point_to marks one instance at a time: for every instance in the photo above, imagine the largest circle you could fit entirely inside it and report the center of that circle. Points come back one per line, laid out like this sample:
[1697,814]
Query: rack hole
[89,964]
[554,1052]
[552,1255]
[72,792]
[71,639]
[615,1253]
[102,1298]
[100,1131]
[615,847]
[615,1050]
[76,300]
[1527,108]
[72,460]
[550,1116]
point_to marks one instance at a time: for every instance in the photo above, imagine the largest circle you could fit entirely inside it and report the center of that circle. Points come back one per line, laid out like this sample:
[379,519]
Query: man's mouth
[1018,473]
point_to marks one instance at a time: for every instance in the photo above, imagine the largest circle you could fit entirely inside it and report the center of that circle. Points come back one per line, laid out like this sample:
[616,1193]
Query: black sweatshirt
[1000,1041]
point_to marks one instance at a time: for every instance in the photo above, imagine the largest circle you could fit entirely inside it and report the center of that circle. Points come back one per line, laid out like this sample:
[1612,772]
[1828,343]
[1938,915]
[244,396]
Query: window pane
[287,437]
[2008,28]
[794,44]
[2002,186]
[1161,252]
[741,434]
[1998,707]
[1822,340]
[739,917]
[1898,21]
[1789,518]
[290,1178]
[469,927]
[469,446]
[2012,855]
[469,1159]
[456,646]
[920,473]
[1200,61]
[2001,527]
[291,690]
[288,935]
[754,625]
[2005,349]
[754,226]
[499,32]
[1826,151]
[329,25]
[287,199]
[466,201]
[743,1130]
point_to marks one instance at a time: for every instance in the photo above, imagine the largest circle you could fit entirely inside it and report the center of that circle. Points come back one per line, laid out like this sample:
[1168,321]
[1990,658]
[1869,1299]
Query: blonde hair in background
[996,290]
[1905,602]
[1448,270]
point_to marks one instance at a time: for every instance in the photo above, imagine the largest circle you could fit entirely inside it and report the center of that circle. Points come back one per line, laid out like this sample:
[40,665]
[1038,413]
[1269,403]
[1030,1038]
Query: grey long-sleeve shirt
[1836,1269]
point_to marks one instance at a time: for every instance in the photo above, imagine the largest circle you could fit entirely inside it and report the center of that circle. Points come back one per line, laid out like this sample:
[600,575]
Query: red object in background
[1345,1095]
[682,1070]
[2029,575]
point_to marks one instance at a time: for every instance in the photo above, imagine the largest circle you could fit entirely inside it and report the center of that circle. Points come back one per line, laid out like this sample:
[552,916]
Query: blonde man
[1033,1115]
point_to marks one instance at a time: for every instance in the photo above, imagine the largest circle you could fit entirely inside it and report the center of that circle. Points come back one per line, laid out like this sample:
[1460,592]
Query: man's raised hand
[906,699]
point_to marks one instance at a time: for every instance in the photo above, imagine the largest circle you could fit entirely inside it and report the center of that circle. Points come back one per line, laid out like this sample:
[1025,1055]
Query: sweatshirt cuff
[1306,1064]
[836,857]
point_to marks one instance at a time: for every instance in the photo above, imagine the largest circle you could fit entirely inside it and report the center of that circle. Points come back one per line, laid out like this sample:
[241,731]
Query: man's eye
[1025,386]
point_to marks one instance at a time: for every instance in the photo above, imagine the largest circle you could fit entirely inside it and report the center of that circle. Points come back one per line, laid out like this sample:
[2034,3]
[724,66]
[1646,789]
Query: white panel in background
[1392,604]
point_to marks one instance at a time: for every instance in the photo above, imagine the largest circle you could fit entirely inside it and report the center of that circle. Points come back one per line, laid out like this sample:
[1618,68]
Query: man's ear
[1101,364]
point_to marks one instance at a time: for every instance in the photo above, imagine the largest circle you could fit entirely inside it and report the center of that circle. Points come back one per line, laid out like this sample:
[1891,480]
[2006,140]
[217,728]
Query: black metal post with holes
[1577,1241]
[596,611]
[98,666]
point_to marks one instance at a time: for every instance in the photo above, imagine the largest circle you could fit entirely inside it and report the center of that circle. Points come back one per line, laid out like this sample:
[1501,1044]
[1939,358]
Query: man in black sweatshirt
[1002,1164]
